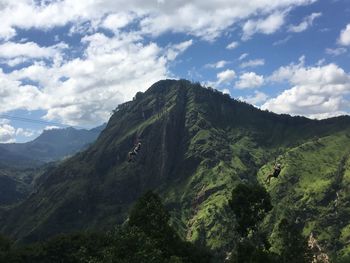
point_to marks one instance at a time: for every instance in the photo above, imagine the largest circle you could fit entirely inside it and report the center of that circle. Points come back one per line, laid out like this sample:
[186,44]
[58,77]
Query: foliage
[250,204]
[135,242]
[197,145]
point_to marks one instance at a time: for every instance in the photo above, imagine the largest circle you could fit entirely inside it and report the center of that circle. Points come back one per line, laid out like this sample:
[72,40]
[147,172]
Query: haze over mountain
[22,163]
[51,145]
[197,144]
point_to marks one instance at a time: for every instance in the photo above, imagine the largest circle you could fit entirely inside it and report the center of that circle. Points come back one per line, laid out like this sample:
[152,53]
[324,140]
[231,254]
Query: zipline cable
[17,118]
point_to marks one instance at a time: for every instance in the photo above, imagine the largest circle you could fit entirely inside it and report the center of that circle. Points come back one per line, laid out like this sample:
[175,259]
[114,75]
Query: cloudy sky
[73,62]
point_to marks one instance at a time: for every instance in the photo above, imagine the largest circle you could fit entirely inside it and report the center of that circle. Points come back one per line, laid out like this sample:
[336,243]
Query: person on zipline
[276,172]
[134,152]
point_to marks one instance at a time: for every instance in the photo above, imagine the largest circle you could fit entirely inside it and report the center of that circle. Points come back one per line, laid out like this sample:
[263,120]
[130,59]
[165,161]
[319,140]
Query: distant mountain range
[51,145]
[22,163]
[197,144]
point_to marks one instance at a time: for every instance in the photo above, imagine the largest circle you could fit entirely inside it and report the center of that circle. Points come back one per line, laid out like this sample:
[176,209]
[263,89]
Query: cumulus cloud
[344,38]
[253,63]
[13,53]
[305,24]
[249,80]
[266,26]
[316,92]
[204,19]
[25,132]
[226,76]
[115,22]
[256,99]
[28,49]
[232,45]
[84,90]
[7,133]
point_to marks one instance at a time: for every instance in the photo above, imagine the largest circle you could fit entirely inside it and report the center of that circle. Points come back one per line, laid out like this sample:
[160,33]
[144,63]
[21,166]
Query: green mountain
[197,144]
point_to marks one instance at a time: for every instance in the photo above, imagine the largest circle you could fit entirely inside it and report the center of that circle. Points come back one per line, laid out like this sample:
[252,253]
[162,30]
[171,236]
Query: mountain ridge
[197,144]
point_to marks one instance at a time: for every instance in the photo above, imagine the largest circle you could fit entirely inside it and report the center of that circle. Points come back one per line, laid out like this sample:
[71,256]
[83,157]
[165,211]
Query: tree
[150,216]
[5,246]
[250,204]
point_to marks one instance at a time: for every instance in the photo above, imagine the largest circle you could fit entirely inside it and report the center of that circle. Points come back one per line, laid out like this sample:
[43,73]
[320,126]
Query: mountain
[51,145]
[22,163]
[197,144]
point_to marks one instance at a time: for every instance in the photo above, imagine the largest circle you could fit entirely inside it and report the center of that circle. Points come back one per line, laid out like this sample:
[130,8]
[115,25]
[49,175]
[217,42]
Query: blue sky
[73,62]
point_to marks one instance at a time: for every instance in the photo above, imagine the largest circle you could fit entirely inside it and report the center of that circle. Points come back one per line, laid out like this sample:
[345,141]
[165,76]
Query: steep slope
[314,190]
[12,190]
[196,145]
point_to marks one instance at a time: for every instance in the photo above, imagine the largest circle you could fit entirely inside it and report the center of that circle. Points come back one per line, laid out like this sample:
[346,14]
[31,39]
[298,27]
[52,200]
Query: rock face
[197,144]
[318,253]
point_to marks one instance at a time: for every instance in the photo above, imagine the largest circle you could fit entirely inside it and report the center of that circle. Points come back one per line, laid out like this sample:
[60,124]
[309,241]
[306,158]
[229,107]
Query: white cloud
[344,38]
[232,45]
[225,76]
[336,51]
[266,26]
[256,99]
[51,127]
[25,132]
[13,53]
[204,19]
[7,133]
[249,80]
[115,22]
[28,49]
[253,63]
[226,91]
[315,92]
[243,56]
[176,49]
[305,24]
[83,91]
[219,64]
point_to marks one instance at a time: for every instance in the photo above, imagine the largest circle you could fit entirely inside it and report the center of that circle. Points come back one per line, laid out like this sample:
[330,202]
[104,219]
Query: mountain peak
[197,143]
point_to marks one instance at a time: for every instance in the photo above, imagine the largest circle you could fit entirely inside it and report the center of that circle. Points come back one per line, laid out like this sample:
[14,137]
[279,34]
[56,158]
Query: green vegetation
[197,146]
[147,237]
[250,204]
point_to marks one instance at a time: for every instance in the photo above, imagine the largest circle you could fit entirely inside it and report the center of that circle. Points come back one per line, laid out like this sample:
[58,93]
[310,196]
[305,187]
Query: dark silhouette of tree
[250,204]
[147,237]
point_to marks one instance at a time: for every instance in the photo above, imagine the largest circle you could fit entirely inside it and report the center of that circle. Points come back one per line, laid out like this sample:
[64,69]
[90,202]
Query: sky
[72,62]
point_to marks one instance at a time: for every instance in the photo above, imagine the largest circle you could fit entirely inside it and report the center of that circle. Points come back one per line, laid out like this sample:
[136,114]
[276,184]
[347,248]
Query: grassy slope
[313,174]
